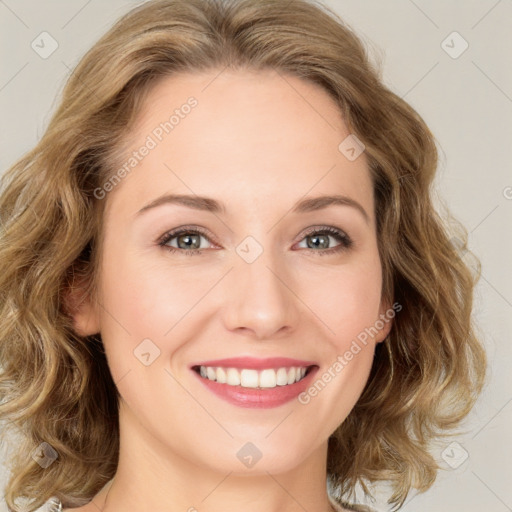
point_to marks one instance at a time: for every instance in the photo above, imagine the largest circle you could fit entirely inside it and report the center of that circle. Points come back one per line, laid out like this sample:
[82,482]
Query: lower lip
[264,398]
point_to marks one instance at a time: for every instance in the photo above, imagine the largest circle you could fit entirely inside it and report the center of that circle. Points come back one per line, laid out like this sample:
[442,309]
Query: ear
[385,321]
[82,308]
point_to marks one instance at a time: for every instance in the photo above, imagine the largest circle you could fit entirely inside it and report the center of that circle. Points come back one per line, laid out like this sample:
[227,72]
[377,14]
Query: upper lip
[256,363]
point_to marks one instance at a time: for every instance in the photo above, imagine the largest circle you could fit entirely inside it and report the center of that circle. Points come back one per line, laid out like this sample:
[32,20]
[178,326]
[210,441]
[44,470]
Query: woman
[321,336]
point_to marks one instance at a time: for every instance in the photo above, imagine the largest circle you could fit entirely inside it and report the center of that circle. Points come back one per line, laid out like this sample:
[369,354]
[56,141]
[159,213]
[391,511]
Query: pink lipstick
[256,383]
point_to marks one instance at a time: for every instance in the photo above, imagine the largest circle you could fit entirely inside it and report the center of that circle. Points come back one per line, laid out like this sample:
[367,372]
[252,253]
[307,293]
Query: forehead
[250,135]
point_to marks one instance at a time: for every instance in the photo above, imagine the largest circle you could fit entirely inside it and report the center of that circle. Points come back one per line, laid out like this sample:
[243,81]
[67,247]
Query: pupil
[323,245]
[189,238]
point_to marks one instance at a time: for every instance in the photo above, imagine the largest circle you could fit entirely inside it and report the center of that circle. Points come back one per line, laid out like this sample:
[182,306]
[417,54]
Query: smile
[251,378]
[255,383]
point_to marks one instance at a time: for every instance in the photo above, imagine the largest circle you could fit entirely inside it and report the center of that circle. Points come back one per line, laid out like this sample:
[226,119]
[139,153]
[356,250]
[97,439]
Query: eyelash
[345,241]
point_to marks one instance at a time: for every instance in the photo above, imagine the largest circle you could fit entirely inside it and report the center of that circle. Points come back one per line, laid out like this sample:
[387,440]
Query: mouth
[249,382]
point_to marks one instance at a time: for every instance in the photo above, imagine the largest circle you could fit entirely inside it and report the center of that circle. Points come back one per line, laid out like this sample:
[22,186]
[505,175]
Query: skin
[257,142]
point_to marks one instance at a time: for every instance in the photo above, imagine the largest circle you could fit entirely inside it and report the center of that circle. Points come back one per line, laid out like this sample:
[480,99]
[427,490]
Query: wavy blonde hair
[56,387]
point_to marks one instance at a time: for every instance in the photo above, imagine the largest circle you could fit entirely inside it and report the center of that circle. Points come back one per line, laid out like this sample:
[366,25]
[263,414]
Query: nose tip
[259,301]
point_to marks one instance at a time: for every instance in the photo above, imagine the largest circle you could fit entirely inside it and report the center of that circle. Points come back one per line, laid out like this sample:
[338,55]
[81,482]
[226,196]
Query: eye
[322,239]
[185,240]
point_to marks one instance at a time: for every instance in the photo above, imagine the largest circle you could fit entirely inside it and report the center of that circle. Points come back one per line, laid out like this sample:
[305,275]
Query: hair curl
[56,387]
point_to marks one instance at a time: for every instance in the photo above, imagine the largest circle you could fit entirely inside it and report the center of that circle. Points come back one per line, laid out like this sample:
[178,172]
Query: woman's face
[269,273]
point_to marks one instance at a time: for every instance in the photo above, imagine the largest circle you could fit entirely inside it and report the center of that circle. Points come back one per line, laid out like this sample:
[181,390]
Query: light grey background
[466,101]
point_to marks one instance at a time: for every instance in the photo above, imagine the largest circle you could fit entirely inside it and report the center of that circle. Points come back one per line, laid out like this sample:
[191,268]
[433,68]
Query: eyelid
[322,228]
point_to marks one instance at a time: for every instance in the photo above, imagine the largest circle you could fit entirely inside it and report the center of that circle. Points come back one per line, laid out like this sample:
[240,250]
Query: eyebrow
[211,205]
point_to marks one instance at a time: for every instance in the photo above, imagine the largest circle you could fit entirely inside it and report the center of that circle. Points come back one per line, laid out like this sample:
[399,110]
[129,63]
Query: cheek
[346,300]
[150,298]
[349,309]
[148,301]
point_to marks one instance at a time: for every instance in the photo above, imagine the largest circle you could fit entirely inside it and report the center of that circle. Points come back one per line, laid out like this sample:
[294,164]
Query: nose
[259,298]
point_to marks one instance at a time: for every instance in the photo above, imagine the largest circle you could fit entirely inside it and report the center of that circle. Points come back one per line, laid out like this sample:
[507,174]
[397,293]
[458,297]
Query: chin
[251,458]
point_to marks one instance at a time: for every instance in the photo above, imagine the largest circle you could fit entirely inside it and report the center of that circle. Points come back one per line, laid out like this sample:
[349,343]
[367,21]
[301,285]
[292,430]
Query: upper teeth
[248,378]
